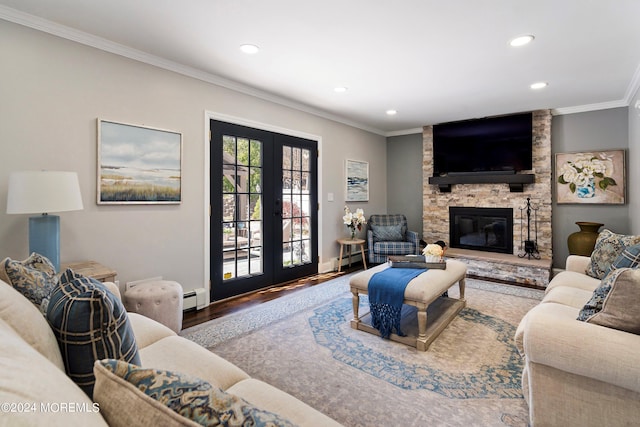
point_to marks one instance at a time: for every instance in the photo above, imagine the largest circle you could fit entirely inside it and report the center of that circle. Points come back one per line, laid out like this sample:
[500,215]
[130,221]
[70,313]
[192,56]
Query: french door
[263,209]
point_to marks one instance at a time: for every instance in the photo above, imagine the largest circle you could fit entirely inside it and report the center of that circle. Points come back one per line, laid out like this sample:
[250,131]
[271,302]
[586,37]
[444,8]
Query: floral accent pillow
[608,246]
[35,278]
[615,302]
[129,395]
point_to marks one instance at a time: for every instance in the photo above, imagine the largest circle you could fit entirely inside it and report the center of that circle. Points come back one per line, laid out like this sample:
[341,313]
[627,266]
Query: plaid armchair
[388,235]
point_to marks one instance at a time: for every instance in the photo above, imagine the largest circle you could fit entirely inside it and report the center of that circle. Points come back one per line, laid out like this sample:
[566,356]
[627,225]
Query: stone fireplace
[506,265]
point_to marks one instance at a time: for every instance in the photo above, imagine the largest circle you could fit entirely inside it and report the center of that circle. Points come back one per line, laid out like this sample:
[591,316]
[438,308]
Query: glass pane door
[263,209]
[241,207]
[296,207]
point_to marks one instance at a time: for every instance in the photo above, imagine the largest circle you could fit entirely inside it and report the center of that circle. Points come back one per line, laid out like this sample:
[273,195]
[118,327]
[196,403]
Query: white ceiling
[431,60]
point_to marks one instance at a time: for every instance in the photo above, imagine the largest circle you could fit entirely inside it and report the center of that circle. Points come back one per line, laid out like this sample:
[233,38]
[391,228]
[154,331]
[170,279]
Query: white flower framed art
[138,164]
[357,181]
[591,177]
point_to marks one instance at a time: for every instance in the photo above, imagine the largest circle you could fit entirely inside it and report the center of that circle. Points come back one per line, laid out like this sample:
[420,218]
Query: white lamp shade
[43,192]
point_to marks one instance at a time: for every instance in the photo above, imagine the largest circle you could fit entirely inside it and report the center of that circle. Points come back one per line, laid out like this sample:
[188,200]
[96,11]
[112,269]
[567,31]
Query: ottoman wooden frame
[424,293]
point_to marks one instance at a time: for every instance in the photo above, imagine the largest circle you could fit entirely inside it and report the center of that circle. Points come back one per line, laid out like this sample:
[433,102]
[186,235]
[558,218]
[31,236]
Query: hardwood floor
[224,307]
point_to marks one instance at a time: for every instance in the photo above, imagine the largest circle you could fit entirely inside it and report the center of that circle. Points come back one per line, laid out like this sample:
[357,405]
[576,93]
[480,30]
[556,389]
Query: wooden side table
[348,243]
[91,269]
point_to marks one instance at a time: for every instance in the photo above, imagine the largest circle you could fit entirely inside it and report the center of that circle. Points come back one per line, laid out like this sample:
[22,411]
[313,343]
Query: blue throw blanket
[386,293]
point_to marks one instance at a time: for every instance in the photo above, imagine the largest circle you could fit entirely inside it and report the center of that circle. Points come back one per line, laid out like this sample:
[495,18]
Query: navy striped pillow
[90,323]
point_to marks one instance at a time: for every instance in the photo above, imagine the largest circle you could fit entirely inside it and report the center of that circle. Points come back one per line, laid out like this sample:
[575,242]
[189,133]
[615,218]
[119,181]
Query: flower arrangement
[432,252]
[584,171]
[354,220]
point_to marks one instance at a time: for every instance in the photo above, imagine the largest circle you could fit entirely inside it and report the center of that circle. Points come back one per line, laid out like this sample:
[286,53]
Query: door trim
[212,115]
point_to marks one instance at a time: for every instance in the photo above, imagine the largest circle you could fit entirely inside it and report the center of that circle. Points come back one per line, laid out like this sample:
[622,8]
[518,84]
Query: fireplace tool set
[529,248]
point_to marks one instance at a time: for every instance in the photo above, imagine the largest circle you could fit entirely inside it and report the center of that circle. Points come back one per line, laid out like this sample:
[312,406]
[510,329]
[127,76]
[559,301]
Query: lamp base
[44,237]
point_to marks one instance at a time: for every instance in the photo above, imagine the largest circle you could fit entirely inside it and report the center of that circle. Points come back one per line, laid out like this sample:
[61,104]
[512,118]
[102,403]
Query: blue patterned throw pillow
[35,278]
[629,258]
[187,396]
[90,323]
[607,248]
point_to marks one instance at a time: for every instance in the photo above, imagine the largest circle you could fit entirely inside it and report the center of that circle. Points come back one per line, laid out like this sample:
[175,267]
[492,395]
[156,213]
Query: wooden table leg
[362,252]
[340,259]
[421,342]
[355,300]
[461,285]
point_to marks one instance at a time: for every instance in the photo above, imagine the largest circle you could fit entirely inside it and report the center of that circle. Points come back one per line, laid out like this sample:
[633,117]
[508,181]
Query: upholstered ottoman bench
[160,300]
[425,293]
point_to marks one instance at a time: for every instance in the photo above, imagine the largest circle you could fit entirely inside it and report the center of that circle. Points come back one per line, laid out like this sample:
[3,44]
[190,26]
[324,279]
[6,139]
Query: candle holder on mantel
[529,247]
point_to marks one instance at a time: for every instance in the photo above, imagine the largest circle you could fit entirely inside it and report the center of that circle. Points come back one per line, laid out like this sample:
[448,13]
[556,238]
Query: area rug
[303,344]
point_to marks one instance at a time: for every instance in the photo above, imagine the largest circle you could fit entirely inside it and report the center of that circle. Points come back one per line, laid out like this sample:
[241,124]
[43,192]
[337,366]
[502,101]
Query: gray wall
[52,90]
[404,178]
[633,189]
[595,130]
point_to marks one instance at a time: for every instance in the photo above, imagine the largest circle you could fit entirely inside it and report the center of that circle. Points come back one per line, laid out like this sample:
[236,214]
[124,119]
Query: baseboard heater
[194,299]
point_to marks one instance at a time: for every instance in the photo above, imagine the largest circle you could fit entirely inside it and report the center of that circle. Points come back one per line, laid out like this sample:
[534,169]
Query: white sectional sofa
[35,391]
[577,373]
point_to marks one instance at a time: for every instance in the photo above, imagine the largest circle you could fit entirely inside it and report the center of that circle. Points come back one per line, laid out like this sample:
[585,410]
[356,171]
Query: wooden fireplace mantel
[516,181]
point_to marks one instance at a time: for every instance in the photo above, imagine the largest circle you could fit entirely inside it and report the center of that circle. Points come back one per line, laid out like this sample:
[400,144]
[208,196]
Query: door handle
[278,211]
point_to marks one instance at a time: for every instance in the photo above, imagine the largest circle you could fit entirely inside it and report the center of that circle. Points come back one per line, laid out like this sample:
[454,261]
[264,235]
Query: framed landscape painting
[138,164]
[591,177]
[357,173]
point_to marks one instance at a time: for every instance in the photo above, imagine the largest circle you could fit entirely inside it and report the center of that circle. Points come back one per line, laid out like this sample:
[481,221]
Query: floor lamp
[43,192]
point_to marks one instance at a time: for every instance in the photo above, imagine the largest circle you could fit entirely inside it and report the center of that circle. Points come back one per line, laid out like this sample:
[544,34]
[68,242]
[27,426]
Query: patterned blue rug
[501,379]
[303,344]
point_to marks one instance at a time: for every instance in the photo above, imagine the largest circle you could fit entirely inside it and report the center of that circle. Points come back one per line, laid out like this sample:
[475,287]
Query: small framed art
[357,181]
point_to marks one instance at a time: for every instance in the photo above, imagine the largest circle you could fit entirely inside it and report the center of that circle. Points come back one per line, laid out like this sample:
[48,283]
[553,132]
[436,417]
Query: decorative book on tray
[415,261]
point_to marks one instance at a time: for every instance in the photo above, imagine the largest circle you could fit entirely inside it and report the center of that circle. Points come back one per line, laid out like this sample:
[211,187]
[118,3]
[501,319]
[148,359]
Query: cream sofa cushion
[29,378]
[29,323]
[573,279]
[271,399]
[177,354]
[573,297]
[147,331]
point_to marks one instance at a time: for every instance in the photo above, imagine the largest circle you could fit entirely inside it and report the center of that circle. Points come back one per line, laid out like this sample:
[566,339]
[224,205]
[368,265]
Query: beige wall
[52,91]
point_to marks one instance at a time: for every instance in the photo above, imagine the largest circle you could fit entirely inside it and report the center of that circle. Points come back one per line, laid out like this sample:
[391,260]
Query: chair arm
[553,337]
[412,236]
[370,239]
[577,263]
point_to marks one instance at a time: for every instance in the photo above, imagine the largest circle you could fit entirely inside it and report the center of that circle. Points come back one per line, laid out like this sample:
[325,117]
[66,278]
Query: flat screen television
[492,145]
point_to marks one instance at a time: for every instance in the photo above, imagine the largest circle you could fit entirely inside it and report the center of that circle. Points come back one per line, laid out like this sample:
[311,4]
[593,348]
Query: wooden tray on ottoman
[414,261]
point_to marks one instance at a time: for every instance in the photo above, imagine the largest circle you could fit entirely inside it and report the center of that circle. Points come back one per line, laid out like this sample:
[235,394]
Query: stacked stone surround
[435,210]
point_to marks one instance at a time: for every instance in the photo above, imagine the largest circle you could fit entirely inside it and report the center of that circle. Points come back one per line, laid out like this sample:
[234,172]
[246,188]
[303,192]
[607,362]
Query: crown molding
[59,30]
[589,107]
[404,132]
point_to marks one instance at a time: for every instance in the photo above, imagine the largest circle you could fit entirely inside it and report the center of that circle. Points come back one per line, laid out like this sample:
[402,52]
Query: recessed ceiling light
[249,49]
[391,112]
[340,89]
[539,85]
[521,40]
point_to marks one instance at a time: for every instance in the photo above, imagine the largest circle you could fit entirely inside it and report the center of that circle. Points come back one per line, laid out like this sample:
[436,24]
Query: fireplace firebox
[482,229]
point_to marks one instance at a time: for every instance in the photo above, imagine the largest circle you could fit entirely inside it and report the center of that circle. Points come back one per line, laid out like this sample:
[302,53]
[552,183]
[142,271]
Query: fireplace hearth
[482,229]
